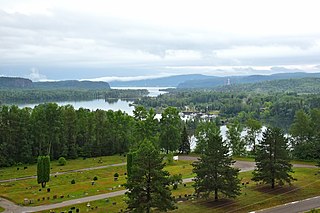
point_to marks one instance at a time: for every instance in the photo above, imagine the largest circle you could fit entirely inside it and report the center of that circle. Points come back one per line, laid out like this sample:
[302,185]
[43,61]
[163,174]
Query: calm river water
[102,104]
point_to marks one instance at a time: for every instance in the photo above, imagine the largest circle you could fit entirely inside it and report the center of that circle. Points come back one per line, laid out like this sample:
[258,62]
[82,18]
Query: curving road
[294,207]
[242,165]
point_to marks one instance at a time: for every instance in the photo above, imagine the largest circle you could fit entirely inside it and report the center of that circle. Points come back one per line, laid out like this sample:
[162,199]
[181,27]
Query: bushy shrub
[62,161]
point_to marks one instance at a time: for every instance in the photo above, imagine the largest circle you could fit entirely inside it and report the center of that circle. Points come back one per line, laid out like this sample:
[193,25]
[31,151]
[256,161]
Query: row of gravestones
[31,201]
[70,211]
[23,168]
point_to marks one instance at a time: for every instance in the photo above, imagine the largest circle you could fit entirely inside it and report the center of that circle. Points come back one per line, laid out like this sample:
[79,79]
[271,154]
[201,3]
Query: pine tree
[213,170]
[272,159]
[148,184]
[185,142]
[43,170]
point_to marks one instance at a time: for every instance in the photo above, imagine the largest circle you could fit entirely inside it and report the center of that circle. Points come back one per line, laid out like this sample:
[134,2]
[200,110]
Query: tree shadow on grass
[277,189]
[221,203]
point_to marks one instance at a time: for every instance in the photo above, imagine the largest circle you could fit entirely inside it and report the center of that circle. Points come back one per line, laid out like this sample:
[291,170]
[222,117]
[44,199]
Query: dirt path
[13,208]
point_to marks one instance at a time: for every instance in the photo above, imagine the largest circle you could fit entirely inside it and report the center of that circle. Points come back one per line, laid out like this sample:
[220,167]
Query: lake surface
[122,105]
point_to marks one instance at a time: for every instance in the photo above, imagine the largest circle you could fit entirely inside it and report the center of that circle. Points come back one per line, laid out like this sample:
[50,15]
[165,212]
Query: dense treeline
[50,95]
[276,109]
[60,131]
[305,132]
[54,130]
[304,85]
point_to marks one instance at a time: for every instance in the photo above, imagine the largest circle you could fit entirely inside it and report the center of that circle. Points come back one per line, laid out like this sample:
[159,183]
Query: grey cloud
[74,40]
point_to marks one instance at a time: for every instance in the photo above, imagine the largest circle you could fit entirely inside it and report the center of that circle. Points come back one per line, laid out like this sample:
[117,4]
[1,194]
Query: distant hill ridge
[16,82]
[170,81]
[215,81]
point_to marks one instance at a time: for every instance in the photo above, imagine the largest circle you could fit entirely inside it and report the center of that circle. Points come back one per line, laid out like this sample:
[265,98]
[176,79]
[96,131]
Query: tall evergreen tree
[185,142]
[272,159]
[43,170]
[214,173]
[148,183]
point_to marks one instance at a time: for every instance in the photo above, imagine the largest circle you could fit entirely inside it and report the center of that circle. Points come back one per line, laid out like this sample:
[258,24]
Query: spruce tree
[185,142]
[214,173]
[43,170]
[272,159]
[148,183]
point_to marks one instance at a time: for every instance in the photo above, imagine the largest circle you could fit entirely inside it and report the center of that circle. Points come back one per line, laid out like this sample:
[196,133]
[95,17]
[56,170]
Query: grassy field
[254,196]
[1,209]
[314,211]
[61,185]
[19,171]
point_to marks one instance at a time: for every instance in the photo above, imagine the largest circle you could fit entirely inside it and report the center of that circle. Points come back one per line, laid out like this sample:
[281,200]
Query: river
[122,105]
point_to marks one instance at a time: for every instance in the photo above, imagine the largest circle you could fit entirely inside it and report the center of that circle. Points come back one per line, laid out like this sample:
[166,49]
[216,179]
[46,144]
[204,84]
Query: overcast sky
[73,39]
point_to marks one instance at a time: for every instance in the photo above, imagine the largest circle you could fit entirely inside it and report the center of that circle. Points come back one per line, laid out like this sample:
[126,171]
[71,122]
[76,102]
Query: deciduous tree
[170,127]
[234,136]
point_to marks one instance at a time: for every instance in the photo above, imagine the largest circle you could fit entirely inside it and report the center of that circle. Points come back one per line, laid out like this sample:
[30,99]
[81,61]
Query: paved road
[294,207]
[13,208]
[63,173]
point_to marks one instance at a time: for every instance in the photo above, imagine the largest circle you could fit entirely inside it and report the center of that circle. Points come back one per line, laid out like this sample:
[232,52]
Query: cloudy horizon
[121,40]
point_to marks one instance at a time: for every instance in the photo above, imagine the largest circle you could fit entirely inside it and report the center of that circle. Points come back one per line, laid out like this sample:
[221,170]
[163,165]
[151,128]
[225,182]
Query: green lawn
[61,185]
[254,196]
[314,211]
[19,171]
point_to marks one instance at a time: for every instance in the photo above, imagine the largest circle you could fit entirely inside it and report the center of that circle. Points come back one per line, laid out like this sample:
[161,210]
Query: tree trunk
[43,184]
[215,194]
[272,183]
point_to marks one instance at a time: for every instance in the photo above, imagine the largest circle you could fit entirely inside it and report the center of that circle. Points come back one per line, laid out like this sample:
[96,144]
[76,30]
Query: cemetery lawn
[254,196]
[80,163]
[61,188]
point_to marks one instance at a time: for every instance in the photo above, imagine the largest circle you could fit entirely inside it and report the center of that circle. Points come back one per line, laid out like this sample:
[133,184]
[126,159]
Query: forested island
[20,90]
